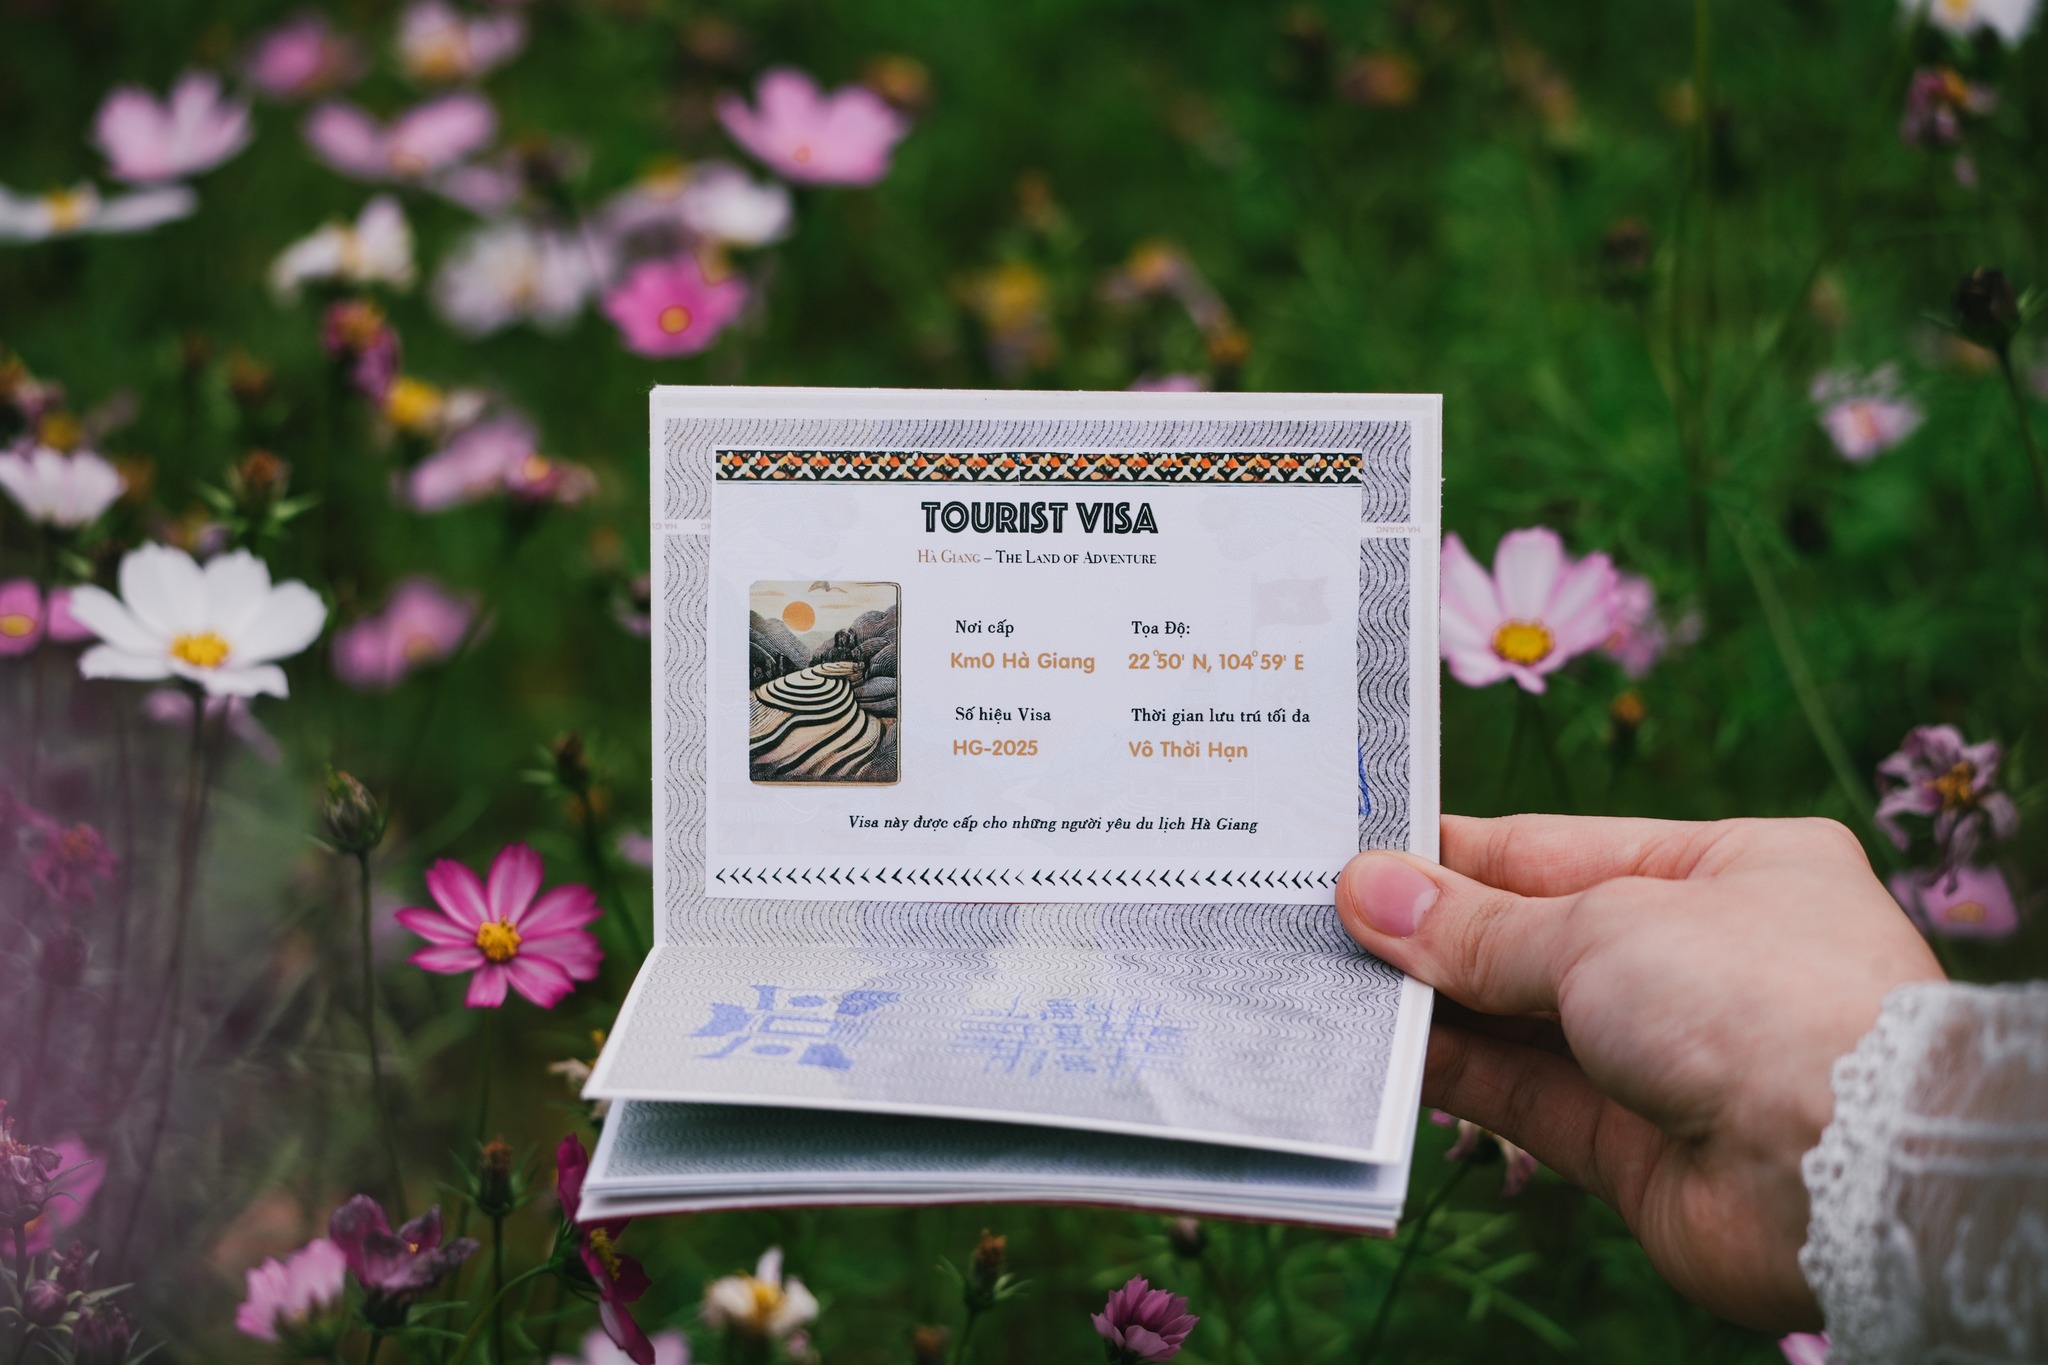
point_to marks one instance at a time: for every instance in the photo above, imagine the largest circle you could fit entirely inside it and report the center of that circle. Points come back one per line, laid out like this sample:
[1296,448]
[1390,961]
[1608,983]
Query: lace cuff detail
[1929,1232]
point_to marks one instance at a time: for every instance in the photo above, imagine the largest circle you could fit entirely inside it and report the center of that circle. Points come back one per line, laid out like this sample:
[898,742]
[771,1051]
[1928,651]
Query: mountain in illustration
[773,649]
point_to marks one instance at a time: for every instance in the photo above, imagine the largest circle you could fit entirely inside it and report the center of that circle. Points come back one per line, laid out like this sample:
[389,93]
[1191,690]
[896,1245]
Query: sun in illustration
[799,617]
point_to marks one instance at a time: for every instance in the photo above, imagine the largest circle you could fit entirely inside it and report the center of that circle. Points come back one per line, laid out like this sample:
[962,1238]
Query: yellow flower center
[498,940]
[15,624]
[413,404]
[1523,642]
[1957,786]
[607,1254]
[674,318]
[68,210]
[418,647]
[203,650]
[442,58]
[535,468]
[802,155]
[767,1298]
[1966,912]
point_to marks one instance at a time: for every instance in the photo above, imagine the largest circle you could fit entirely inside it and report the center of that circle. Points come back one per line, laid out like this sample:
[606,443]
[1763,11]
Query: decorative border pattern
[1041,466]
[1017,877]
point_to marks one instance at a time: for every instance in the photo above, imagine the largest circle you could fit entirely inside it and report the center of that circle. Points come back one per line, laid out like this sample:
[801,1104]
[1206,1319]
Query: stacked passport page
[1007,750]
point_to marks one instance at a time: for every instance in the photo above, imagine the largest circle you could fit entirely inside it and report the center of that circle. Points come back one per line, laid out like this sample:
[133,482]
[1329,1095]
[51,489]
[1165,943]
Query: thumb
[1489,949]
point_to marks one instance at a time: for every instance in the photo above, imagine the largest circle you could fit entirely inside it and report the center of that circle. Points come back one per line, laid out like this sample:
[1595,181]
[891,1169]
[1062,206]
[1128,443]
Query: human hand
[1651,1008]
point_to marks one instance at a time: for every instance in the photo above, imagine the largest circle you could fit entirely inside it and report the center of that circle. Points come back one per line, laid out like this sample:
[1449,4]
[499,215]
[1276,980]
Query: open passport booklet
[1008,747]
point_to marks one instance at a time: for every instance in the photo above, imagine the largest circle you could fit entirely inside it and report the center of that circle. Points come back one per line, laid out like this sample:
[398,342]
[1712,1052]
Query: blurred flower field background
[324,784]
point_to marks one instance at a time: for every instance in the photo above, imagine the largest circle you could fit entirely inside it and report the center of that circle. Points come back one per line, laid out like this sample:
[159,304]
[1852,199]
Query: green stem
[484,1315]
[1429,1212]
[498,1288]
[2026,421]
[1786,638]
[1553,758]
[489,1064]
[377,1095]
[974,1313]
[607,881]
[1512,763]
[370,1351]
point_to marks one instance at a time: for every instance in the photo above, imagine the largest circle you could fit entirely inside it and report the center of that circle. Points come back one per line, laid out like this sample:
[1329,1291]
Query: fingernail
[1388,894]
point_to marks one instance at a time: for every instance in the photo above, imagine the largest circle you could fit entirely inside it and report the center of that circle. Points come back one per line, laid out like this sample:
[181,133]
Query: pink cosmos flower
[21,616]
[1864,415]
[671,308]
[498,455]
[1536,611]
[285,1295]
[355,334]
[1966,902]
[1936,101]
[620,1279]
[413,146]
[808,136]
[1143,1323]
[670,1348]
[636,848]
[1520,1165]
[301,57]
[68,862]
[435,43]
[1170,383]
[502,934]
[64,628]
[1935,774]
[172,706]
[146,140]
[79,1176]
[1805,1348]
[423,623]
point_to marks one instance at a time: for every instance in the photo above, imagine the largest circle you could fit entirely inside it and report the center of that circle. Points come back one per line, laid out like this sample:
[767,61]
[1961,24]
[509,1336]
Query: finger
[1558,855]
[1489,949]
[1542,1103]
[1530,1030]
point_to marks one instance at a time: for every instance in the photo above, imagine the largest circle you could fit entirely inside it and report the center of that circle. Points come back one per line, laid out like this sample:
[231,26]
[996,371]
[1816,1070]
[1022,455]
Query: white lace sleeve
[1929,1233]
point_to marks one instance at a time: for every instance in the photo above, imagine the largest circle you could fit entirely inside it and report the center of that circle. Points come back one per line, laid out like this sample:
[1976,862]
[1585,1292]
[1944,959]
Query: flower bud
[928,1345]
[494,1193]
[354,818]
[61,957]
[259,481]
[572,766]
[1987,309]
[44,1303]
[101,1336]
[1188,1238]
[985,1270]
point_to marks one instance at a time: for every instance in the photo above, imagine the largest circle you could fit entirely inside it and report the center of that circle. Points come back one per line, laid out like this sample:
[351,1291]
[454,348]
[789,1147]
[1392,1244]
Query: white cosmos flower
[762,1304]
[222,627]
[2009,19]
[511,271]
[377,249]
[714,200]
[65,213]
[56,489]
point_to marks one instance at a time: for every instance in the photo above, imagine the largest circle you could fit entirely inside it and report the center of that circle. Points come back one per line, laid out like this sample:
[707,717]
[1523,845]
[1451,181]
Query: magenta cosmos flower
[393,1268]
[424,623]
[502,933]
[147,140]
[1865,415]
[1935,774]
[1143,1323]
[806,135]
[1535,612]
[670,308]
[302,57]
[69,863]
[21,616]
[288,1297]
[1965,902]
[429,138]
[1805,1348]
[619,1278]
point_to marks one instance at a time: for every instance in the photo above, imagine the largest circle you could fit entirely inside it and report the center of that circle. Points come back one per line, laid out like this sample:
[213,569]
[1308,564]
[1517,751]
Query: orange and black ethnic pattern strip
[877,466]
